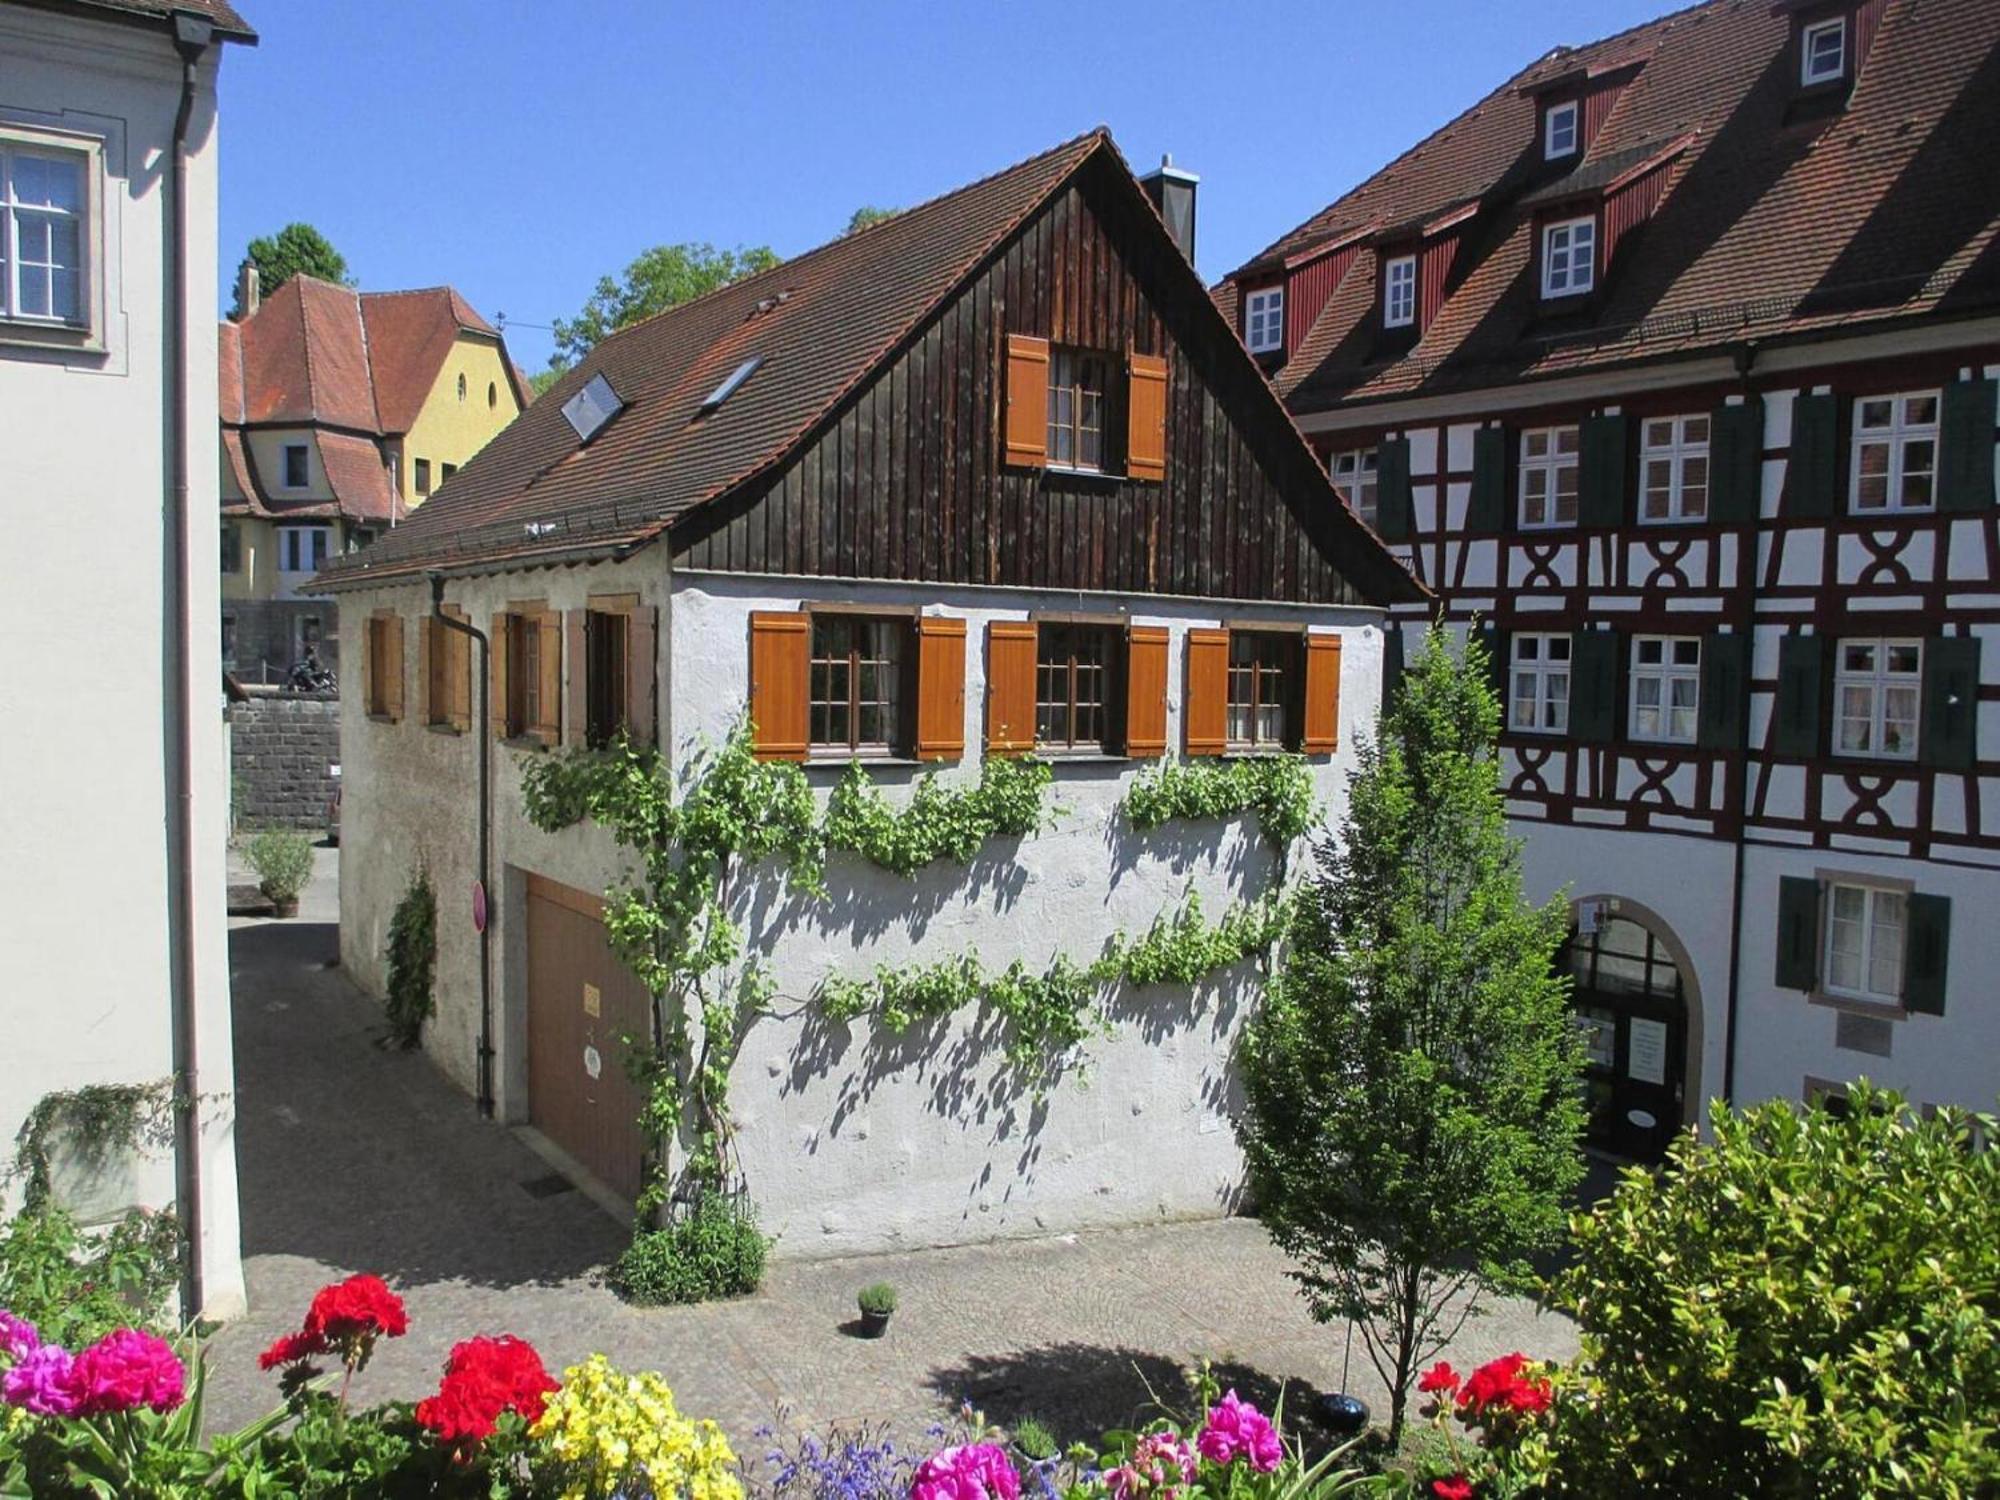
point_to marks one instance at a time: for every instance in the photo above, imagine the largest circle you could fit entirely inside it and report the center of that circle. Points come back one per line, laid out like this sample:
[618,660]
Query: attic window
[590,408]
[730,386]
[1264,320]
[1823,52]
[1559,127]
[1399,292]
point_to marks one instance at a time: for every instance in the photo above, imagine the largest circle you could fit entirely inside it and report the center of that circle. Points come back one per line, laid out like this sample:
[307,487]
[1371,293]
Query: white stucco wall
[84,876]
[853,1142]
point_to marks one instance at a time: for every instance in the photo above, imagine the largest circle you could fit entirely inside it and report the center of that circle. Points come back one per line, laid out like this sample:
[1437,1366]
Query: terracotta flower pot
[285,906]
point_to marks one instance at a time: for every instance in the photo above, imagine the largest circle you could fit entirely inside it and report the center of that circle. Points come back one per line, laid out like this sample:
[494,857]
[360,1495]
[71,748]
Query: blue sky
[521,148]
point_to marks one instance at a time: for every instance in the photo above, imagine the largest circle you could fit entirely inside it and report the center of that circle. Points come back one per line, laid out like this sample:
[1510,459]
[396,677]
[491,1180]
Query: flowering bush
[1506,1404]
[607,1434]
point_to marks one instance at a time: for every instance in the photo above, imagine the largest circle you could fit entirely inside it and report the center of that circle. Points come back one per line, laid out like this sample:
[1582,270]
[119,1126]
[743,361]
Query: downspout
[479,727]
[1739,774]
[192,39]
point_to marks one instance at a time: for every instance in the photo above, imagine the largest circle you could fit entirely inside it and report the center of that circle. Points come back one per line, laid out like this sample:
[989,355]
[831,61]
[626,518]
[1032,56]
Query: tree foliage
[1413,1124]
[296,250]
[869,214]
[662,277]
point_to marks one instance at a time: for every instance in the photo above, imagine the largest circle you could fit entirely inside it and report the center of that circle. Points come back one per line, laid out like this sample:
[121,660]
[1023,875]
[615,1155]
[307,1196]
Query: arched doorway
[1629,995]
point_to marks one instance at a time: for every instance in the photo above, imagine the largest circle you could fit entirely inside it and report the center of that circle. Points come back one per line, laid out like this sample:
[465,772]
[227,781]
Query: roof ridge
[368,364]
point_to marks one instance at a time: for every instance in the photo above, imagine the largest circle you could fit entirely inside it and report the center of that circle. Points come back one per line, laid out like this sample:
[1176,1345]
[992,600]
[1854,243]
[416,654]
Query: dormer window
[1823,52]
[1569,257]
[1264,320]
[1399,292]
[1559,131]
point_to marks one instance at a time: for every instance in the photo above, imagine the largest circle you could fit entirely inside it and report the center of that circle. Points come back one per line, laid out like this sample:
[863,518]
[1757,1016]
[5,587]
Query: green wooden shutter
[1487,509]
[1593,686]
[1926,958]
[1725,669]
[1965,446]
[1951,702]
[1605,445]
[1795,722]
[1494,639]
[1812,477]
[1392,665]
[1736,462]
[1392,489]
[1798,933]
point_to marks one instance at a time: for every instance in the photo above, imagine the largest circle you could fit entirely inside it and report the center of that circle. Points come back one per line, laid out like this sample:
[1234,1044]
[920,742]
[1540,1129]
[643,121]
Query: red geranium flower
[291,1349]
[1458,1487]
[484,1378]
[1504,1385]
[1439,1377]
[345,1318]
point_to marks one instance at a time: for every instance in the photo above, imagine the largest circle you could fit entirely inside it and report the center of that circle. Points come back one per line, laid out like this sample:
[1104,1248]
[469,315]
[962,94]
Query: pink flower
[126,1370]
[969,1471]
[1236,1429]
[42,1383]
[18,1338]
[1160,1464]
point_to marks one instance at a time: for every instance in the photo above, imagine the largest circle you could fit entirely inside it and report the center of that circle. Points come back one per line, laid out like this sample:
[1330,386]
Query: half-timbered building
[1670,366]
[992,477]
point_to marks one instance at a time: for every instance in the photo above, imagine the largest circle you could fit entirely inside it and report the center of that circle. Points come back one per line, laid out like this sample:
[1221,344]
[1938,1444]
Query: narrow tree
[1413,1122]
[295,250]
[660,278]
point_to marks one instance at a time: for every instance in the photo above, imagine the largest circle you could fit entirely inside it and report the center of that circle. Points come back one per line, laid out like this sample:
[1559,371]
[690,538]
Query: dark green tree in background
[868,214]
[662,277]
[295,250]
[1413,1125]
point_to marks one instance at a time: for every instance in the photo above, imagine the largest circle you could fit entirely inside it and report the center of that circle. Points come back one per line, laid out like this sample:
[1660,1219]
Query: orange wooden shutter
[393,667]
[1010,687]
[1146,421]
[1027,400]
[548,729]
[576,709]
[457,673]
[497,678]
[1205,693]
[779,648]
[1322,727]
[368,668]
[940,687]
[428,697]
[1146,691]
[642,636]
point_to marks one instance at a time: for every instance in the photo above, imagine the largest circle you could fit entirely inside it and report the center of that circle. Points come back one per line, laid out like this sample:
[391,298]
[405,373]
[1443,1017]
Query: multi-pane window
[1073,665]
[1877,688]
[301,549]
[1864,942]
[1077,386]
[856,683]
[1354,477]
[232,547]
[1673,469]
[1548,476]
[1895,451]
[1399,292]
[524,675]
[1539,699]
[1569,257]
[1666,688]
[1823,52]
[1261,671]
[298,466]
[1264,320]
[42,277]
[605,644]
[1559,131]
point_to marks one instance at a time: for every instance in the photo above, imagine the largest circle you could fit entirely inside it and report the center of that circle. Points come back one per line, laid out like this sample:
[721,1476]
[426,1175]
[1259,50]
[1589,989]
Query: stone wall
[261,637]
[281,748]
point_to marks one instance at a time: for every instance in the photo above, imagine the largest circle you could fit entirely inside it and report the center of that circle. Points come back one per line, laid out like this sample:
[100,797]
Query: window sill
[1891,512]
[1257,752]
[1098,476]
[379,718]
[67,337]
[840,761]
[524,742]
[1886,1010]
[1857,759]
[447,729]
[1053,757]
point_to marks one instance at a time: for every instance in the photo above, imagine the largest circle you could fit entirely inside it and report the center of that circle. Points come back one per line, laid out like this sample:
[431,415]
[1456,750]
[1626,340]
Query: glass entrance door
[1627,1000]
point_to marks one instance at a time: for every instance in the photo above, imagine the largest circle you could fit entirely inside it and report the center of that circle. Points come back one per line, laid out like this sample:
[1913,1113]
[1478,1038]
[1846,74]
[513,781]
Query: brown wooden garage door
[581,1002]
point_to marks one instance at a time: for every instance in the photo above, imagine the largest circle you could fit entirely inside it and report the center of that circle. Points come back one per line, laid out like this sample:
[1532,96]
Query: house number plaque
[593,1000]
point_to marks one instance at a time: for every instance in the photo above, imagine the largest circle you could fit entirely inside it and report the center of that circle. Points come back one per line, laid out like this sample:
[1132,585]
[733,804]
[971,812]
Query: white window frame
[1873,926]
[1677,452]
[296,540]
[1537,661]
[1811,76]
[1354,474]
[1672,670]
[1896,438]
[1264,320]
[1876,682]
[1399,292]
[1551,463]
[84,330]
[1571,115]
[1575,279]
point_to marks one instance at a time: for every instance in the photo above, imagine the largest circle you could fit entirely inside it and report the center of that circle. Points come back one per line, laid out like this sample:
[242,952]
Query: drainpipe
[479,727]
[192,38]
[1739,772]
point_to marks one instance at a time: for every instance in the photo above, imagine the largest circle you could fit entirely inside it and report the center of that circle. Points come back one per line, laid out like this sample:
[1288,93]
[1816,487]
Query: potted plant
[876,1303]
[1033,1440]
[283,861]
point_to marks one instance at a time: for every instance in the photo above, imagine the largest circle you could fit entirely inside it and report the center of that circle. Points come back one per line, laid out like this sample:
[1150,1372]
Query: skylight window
[730,386]
[590,408]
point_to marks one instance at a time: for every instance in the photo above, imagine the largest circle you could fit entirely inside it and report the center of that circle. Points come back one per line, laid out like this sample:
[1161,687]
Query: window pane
[1876,413]
[1919,411]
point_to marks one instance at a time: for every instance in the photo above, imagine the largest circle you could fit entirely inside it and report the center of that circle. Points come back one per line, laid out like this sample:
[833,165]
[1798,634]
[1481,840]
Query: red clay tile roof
[228,24]
[1772,225]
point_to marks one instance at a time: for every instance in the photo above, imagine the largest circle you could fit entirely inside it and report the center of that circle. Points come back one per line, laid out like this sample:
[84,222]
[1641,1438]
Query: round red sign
[478,906]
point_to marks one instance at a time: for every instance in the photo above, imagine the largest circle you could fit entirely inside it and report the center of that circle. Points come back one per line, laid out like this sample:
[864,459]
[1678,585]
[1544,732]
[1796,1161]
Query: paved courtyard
[354,1158]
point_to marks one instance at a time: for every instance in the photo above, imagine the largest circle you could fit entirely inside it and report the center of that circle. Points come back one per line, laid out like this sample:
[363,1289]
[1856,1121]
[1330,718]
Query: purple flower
[18,1338]
[1236,1429]
[43,1383]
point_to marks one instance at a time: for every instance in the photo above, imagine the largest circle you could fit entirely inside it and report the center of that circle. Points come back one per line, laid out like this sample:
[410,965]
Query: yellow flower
[607,1433]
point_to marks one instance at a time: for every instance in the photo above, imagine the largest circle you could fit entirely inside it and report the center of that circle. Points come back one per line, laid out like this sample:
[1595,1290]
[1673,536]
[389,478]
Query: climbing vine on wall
[93,1122]
[412,961]
[1276,788]
[938,822]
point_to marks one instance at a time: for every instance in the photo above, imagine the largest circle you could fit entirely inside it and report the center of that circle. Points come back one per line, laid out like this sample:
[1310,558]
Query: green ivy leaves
[1277,788]
[939,822]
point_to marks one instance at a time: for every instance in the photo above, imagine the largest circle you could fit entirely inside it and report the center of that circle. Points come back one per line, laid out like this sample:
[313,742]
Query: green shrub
[412,962]
[283,861]
[717,1250]
[77,1287]
[1810,1305]
[1033,1438]
[878,1299]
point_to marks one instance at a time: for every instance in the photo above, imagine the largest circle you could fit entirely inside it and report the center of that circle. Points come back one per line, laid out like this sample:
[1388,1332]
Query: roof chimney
[1172,190]
[248,291]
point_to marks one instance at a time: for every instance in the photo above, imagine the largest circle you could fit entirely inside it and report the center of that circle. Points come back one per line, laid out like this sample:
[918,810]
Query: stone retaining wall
[282,746]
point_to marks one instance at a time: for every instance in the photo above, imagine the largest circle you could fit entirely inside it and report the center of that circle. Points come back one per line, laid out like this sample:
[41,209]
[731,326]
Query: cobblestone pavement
[357,1159]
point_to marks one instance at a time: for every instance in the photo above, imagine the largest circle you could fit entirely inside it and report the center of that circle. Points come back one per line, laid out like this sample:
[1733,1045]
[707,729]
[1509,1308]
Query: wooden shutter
[1604,447]
[548,728]
[1146,691]
[780,647]
[1499,669]
[1736,462]
[1010,687]
[1321,735]
[428,708]
[1795,720]
[496,691]
[1027,400]
[1965,445]
[370,646]
[1393,512]
[642,674]
[1146,417]
[1813,474]
[1593,686]
[1951,702]
[1487,508]
[1205,693]
[1725,672]
[1798,933]
[1392,665]
[576,640]
[458,672]
[940,687]
[394,667]
[1926,959]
